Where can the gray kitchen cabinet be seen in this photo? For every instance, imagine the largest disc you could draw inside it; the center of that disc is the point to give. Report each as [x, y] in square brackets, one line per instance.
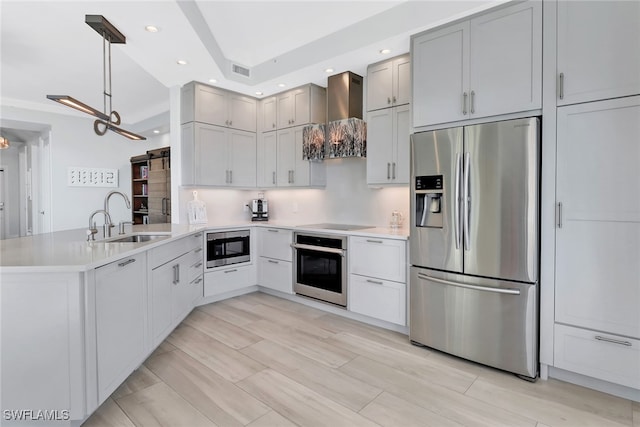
[597, 285]
[292, 170]
[377, 278]
[389, 83]
[301, 106]
[218, 156]
[268, 113]
[388, 132]
[275, 263]
[215, 106]
[120, 310]
[598, 53]
[486, 66]
[267, 160]
[175, 269]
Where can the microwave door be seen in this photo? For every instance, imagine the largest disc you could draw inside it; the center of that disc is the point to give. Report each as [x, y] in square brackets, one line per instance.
[435, 199]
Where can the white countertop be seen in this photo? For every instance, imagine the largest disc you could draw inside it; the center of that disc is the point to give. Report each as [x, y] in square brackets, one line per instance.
[69, 251]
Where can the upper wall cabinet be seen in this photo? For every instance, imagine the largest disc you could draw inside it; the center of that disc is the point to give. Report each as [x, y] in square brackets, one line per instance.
[301, 106]
[389, 83]
[598, 50]
[268, 113]
[489, 65]
[214, 106]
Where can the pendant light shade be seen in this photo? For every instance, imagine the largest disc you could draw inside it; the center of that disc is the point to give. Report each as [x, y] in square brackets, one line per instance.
[107, 119]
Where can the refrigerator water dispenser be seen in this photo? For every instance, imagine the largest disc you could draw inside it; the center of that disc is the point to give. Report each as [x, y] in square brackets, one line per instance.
[428, 193]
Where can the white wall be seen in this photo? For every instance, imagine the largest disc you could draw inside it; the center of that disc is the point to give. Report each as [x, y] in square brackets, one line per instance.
[74, 143]
[9, 162]
[346, 199]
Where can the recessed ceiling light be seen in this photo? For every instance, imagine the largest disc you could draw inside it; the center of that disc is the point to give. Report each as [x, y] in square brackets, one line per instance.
[258, 93]
[151, 29]
[281, 85]
[181, 62]
[385, 51]
[213, 81]
[156, 131]
[329, 70]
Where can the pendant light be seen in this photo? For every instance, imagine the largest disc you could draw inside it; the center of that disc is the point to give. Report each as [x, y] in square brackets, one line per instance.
[105, 121]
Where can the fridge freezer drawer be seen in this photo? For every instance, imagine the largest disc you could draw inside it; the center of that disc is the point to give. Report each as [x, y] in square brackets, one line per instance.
[488, 321]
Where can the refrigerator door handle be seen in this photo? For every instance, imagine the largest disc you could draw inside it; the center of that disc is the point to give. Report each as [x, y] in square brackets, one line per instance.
[508, 291]
[456, 204]
[466, 203]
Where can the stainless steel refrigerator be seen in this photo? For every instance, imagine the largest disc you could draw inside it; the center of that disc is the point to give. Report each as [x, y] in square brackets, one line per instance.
[474, 243]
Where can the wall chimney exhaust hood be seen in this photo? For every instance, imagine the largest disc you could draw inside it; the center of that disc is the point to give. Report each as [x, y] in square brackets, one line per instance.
[346, 133]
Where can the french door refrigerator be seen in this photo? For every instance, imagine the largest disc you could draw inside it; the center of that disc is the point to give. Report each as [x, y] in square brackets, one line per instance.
[474, 243]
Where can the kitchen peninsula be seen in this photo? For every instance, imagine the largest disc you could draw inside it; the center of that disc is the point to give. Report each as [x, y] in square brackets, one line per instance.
[101, 307]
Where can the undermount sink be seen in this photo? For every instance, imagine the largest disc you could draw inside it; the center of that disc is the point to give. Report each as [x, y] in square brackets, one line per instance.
[138, 238]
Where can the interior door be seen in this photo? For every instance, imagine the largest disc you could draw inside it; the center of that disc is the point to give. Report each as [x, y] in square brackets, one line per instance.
[500, 180]
[436, 154]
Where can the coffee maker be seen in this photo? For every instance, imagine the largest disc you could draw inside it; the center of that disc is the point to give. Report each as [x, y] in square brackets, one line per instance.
[259, 210]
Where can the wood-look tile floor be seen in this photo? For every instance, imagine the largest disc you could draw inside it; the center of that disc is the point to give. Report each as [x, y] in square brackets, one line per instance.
[258, 360]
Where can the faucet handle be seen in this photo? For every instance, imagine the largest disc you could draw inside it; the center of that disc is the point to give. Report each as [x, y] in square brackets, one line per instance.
[121, 226]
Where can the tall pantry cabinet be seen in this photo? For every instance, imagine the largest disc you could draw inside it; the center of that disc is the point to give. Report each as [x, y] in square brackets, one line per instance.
[596, 332]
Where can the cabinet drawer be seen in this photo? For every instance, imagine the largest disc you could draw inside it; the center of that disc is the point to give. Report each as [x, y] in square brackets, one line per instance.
[195, 268]
[604, 356]
[275, 274]
[173, 250]
[382, 299]
[228, 279]
[275, 243]
[375, 257]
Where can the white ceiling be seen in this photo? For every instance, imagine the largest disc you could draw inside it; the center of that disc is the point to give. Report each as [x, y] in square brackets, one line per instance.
[46, 47]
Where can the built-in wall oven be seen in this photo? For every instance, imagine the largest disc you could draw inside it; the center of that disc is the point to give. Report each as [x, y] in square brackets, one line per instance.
[228, 247]
[320, 268]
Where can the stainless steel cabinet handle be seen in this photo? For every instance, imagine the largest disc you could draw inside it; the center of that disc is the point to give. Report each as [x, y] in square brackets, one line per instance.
[559, 215]
[197, 236]
[464, 103]
[198, 265]
[473, 95]
[388, 100]
[273, 125]
[272, 230]
[393, 169]
[226, 176]
[273, 262]
[231, 271]
[561, 86]
[230, 122]
[394, 99]
[375, 282]
[176, 274]
[374, 241]
[318, 248]
[388, 170]
[293, 177]
[613, 341]
[466, 206]
[507, 291]
[127, 262]
[274, 177]
[197, 282]
[198, 250]
[230, 177]
[456, 202]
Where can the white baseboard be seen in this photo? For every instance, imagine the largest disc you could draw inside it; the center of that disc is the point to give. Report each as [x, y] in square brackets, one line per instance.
[595, 384]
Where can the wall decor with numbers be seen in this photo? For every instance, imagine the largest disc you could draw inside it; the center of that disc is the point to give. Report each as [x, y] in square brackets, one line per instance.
[91, 177]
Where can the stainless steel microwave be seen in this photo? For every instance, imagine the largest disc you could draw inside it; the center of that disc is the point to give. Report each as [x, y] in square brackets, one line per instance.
[228, 247]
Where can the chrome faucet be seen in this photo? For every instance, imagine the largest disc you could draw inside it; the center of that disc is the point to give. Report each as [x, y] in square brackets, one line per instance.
[92, 225]
[110, 225]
